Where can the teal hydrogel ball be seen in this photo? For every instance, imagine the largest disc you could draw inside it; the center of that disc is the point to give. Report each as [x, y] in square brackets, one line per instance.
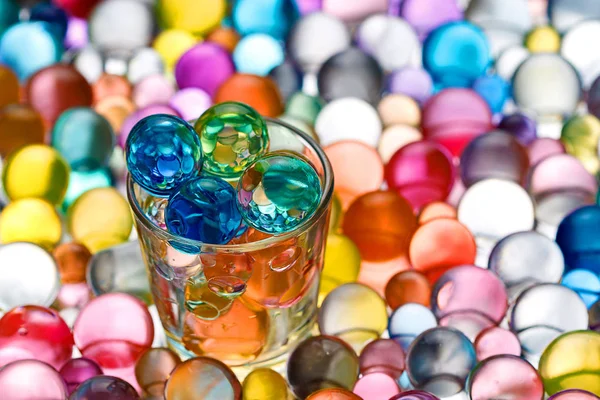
[84, 138]
[278, 192]
[83, 181]
[233, 136]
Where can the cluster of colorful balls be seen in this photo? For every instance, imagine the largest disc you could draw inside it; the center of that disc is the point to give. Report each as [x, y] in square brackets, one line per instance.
[463, 252]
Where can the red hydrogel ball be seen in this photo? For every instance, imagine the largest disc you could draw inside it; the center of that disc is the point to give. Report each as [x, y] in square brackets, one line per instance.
[34, 332]
[422, 172]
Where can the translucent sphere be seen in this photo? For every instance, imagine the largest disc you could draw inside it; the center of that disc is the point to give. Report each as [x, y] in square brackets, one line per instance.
[321, 362]
[422, 172]
[414, 395]
[31, 380]
[78, 370]
[543, 312]
[409, 321]
[35, 332]
[407, 287]
[376, 385]
[20, 125]
[574, 394]
[585, 283]
[153, 369]
[278, 192]
[495, 341]
[469, 289]
[468, 58]
[576, 237]
[31, 220]
[163, 151]
[380, 223]
[505, 376]
[524, 259]
[333, 394]
[203, 377]
[382, 356]
[204, 209]
[341, 265]
[496, 154]
[439, 245]
[232, 136]
[264, 384]
[350, 73]
[353, 312]
[315, 38]
[103, 387]
[440, 360]
[348, 119]
[580, 135]
[84, 138]
[520, 126]
[546, 84]
[37, 282]
[36, 171]
[582, 349]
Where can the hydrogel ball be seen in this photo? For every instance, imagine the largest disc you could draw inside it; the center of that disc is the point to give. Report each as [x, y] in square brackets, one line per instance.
[278, 192]
[163, 151]
[233, 136]
[204, 209]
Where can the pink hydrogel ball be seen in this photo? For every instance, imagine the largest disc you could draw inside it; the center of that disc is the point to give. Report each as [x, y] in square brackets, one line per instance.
[31, 380]
[114, 330]
[503, 377]
[35, 332]
[77, 371]
[496, 341]
[453, 117]
[422, 172]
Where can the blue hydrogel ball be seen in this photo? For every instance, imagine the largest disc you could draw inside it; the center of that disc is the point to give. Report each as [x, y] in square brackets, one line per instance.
[258, 54]
[585, 283]
[84, 138]
[276, 17]
[55, 16]
[204, 209]
[494, 90]
[163, 151]
[278, 192]
[578, 237]
[455, 54]
[28, 47]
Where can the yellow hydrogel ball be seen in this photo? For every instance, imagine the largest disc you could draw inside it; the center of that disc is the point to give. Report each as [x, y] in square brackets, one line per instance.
[195, 16]
[335, 220]
[99, 219]
[572, 361]
[264, 384]
[543, 39]
[580, 135]
[30, 220]
[342, 263]
[171, 44]
[36, 171]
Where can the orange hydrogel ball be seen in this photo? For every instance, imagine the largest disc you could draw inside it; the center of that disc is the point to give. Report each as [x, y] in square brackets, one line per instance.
[227, 38]
[115, 109]
[20, 125]
[439, 245]
[153, 369]
[381, 224]
[435, 210]
[111, 85]
[10, 86]
[357, 169]
[407, 287]
[377, 274]
[258, 92]
[333, 394]
[72, 259]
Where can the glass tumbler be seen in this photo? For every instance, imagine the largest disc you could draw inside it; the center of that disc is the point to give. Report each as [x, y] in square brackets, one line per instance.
[246, 303]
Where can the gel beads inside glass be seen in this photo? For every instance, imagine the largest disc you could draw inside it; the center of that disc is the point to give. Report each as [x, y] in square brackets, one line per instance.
[162, 151]
[204, 209]
[278, 192]
[233, 136]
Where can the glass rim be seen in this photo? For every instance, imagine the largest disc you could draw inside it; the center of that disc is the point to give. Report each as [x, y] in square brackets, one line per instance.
[141, 217]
